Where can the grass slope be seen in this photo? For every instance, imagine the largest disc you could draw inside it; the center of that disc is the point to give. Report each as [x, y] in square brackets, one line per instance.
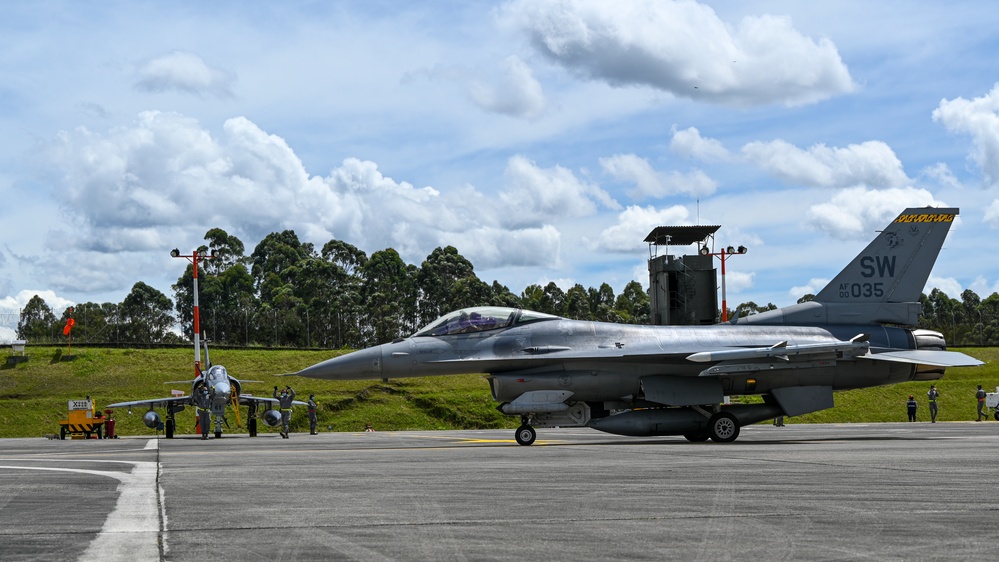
[34, 394]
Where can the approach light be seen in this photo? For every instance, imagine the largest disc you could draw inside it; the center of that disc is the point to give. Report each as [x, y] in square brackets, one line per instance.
[175, 253]
[705, 251]
[730, 249]
[743, 249]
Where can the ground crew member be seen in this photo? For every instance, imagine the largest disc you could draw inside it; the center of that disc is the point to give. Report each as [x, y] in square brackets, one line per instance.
[911, 407]
[932, 395]
[203, 404]
[312, 415]
[284, 400]
[980, 395]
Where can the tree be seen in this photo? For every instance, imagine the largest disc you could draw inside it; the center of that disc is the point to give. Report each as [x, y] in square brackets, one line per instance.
[633, 304]
[37, 322]
[388, 296]
[438, 274]
[145, 315]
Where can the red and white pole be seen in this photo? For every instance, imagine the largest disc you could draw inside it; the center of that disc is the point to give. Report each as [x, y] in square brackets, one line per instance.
[197, 317]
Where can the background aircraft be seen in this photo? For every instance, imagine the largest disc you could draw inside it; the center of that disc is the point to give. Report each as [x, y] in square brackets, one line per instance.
[225, 389]
[672, 380]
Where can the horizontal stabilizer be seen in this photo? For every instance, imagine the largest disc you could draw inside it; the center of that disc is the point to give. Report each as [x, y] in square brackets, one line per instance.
[931, 357]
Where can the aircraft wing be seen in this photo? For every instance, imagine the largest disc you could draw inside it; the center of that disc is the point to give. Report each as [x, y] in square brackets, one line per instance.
[245, 399]
[153, 402]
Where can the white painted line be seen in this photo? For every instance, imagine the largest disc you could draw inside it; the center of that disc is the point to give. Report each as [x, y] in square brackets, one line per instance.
[152, 444]
[132, 529]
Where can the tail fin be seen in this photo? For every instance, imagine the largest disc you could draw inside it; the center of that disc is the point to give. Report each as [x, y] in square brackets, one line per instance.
[895, 266]
[882, 285]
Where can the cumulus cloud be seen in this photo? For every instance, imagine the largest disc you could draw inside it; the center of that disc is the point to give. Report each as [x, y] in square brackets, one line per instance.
[514, 92]
[683, 48]
[653, 183]
[980, 119]
[184, 72]
[871, 163]
[813, 287]
[992, 214]
[165, 179]
[948, 285]
[633, 225]
[536, 195]
[855, 213]
[691, 144]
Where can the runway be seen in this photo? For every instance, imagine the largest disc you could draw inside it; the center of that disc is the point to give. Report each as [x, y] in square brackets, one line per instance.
[802, 492]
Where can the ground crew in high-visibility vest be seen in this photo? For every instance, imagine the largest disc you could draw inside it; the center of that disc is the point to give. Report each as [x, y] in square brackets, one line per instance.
[932, 395]
[312, 415]
[284, 400]
[203, 404]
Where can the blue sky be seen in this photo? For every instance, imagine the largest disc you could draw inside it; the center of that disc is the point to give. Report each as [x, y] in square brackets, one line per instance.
[542, 139]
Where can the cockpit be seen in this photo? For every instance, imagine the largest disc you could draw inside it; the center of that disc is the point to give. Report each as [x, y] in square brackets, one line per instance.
[481, 319]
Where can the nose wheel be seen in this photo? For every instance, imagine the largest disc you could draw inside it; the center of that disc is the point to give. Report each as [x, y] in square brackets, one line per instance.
[525, 435]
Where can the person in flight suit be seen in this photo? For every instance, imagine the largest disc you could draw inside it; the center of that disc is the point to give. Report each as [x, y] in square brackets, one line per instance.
[312, 415]
[203, 404]
[284, 400]
[980, 396]
[911, 407]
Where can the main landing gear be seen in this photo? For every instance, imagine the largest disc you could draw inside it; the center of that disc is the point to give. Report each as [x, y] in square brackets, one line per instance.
[525, 433]
[723, 428]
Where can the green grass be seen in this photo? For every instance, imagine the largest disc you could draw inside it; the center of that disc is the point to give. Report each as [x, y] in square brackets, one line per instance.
[34, 395]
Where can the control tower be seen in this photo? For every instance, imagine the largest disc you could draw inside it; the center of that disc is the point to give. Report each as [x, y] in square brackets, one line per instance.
[682, 289]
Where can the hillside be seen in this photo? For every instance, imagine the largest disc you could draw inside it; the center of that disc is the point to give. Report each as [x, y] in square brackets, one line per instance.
[34, 394]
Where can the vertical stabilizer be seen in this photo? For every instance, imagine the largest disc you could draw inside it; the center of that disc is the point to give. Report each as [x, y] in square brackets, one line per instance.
[894, 267]
[882, 285]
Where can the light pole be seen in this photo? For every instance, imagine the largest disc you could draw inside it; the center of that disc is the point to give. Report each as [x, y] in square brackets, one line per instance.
[724, 254]
[193, 258]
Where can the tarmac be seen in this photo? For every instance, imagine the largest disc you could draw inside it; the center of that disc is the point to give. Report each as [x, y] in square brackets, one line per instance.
[894, 491]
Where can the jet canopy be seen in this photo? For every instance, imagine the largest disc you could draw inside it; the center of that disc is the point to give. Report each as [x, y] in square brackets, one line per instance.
[480, 319]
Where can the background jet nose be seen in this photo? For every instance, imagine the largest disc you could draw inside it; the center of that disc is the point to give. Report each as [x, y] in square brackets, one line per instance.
[223, 392]
[364, 364]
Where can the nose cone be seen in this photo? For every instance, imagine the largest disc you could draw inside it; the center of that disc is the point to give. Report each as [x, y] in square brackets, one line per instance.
[223, 392]
[363, 364]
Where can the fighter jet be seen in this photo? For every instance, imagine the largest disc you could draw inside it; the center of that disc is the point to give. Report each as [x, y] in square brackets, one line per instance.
[224, 389]
[639, 380]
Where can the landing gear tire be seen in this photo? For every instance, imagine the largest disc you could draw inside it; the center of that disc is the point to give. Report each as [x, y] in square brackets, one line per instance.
[218, 435]
[169, 429]
[525, 435]
[723, 427]
[253, 428]
[696, 436]
[996, 415]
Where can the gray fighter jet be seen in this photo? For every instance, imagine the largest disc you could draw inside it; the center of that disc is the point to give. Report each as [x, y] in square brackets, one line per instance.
[673, 380]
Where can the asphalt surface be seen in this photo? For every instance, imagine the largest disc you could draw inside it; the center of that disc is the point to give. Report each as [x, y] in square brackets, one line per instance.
[802, 492]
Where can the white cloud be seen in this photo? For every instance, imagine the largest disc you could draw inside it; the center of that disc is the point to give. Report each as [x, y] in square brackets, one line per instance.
[992, 214]
[164, 179]
[856, 213]
[736, 282]
[683, 48]
[813, 287]
[982, 288]
[633, 225]
[691, 144]
[872, 164]
[536, 195]
[184, 72]
[980, 119]
[948, 285]
[514, 92]
[652, 183]
[15, 303]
